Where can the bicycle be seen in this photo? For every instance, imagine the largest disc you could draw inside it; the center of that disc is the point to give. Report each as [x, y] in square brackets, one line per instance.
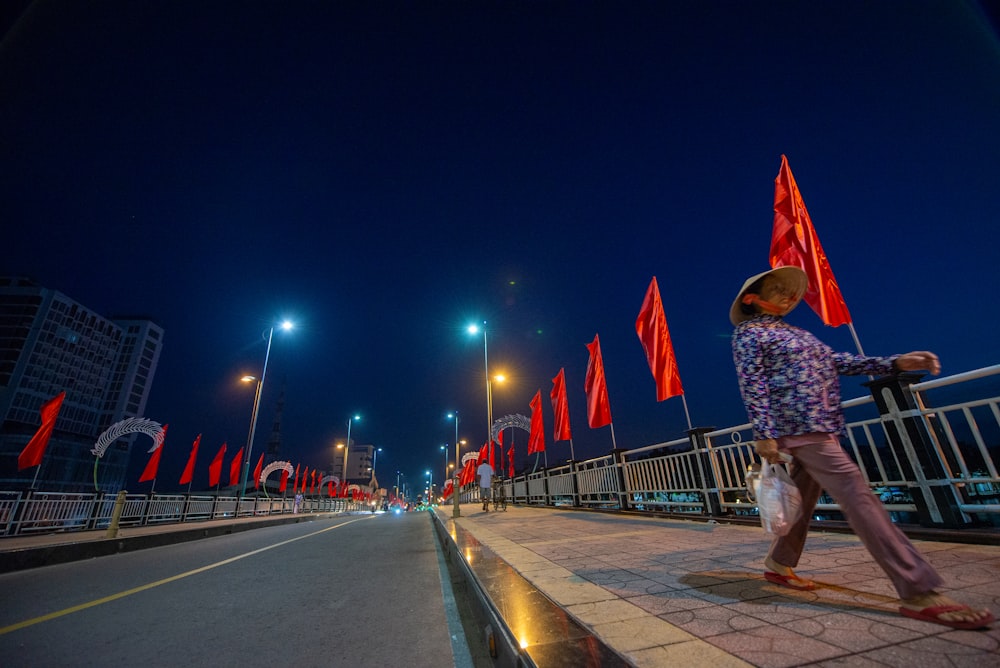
[499, 498]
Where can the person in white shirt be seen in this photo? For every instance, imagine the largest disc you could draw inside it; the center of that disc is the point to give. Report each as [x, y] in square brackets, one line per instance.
[485, 473]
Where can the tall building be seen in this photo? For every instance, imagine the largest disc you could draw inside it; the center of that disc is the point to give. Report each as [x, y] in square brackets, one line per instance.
[50, 344]
[360, 460]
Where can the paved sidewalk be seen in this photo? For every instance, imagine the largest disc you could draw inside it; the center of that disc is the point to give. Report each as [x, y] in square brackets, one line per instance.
[664, 592]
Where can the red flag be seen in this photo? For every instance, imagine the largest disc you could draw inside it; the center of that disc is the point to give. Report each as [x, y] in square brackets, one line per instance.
[468, 473]
[295, 485]
[34, 451]
[598, 407]
[283, 485]
[215, 468]
[257, 470]
[794, 243]
[482, 454]
[651, 326]
[536, 438]
[153, 465]
[492, 450]
[329, 488]
[560, 408]
[189, 469]
[305, 479]
[510, 457]
[234, 469]
[312, 484]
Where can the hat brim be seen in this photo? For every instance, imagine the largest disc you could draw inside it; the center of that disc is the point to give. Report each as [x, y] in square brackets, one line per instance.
[792, 276]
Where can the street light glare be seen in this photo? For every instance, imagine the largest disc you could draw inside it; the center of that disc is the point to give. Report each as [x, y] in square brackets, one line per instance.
[287, 325]
[248, 379]
[473, 329]
[499, 378]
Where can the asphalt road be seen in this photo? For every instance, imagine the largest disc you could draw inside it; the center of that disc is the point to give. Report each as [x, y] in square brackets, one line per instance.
[356, 590]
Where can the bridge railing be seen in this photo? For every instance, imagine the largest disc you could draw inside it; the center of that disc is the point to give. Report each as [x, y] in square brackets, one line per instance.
[929, 450]
[28, 513]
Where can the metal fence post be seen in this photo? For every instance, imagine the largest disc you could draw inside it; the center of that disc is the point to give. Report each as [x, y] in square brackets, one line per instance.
[915, 447]
[618, 457]
[706, 470]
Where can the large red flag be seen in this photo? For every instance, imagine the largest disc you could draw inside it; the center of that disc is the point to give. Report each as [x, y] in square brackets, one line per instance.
[483, 451]
[560, 408]
[283, 484]
[598, 407]
[153, 465]
[536, 438]
[257, 470]
[235, 467]
[215, 468]
[305, 479]
[189, 468]
[651, 326]
[34, 451]
[312, 484]
[510, 457]
[295, 484]
[794, 243]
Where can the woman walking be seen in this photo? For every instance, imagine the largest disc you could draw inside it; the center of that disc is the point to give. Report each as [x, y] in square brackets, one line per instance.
[790, 386]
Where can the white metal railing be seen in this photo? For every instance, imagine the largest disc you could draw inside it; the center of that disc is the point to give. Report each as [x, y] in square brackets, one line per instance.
[48, 512]
[953, 429]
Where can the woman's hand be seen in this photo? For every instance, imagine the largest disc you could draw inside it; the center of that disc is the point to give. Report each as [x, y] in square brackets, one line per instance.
[767, 448]
[919, 360]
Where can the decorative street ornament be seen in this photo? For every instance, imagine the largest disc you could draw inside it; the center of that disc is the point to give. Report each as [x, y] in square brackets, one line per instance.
[515, 420]
[469, 457]
[133, 425]
[271, 468]
[329, 478]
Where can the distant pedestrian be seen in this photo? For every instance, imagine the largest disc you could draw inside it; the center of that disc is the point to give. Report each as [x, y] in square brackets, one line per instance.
[789, 383]
[297, 505]
[485, 473]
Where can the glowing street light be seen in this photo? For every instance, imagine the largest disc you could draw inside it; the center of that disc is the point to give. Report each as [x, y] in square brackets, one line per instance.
[347, 447]
[286, 326]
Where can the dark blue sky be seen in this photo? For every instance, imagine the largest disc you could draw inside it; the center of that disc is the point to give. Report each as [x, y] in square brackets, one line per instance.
[385, 172]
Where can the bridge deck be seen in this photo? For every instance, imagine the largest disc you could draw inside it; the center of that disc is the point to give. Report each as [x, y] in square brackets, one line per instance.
[661, 592]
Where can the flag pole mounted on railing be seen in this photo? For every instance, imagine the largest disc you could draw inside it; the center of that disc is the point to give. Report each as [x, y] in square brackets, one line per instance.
[794, 242]
[651, 327]
[596, 386]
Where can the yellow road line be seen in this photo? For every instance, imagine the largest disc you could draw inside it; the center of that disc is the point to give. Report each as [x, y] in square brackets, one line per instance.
[136, 590]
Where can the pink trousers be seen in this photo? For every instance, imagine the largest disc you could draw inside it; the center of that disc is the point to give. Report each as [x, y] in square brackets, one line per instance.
[821, 463]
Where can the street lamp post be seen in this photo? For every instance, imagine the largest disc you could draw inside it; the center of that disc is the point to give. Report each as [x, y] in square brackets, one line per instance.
[456, 512]
[430, 488]
[347, 447]
[286, 325]
[474, 329]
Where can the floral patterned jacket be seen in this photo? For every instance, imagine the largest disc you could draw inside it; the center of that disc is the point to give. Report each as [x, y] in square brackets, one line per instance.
[789, 379]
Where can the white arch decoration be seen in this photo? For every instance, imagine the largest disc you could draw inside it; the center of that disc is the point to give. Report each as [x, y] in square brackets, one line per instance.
[134, 425]
[515, 420]
[275, 466]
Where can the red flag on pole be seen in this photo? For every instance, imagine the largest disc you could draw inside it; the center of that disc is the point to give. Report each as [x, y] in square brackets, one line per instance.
[560, 408]
[215, 468]
[598, 407]
[34, 451]
[536, 437]
[283, 485]
[189, 468]
[305, 479]
[510, 458]
[234, 469]
[257, 470]
[153, 465]
[482, 454]
[329, 488]
[651, 326]
[295, 484]
[312, 483]
[794, 242]
[492, 450]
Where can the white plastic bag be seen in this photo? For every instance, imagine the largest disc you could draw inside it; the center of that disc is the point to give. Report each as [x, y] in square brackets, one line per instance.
[778, 500]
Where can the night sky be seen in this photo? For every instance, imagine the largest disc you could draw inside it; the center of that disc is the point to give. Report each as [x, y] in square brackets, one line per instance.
[384, 173]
